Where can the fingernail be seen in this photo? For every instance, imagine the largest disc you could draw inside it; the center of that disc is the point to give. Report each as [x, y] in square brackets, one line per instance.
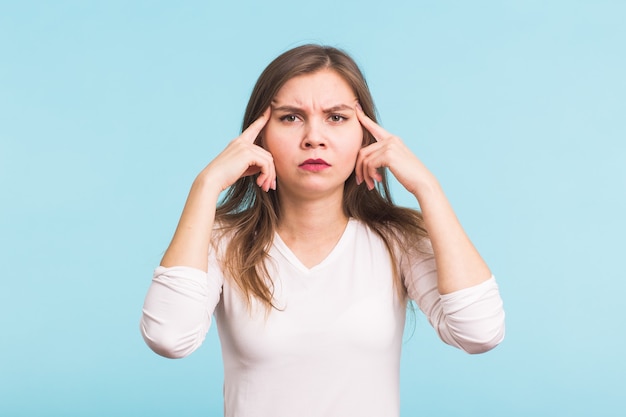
[358, 106]
[274, 185]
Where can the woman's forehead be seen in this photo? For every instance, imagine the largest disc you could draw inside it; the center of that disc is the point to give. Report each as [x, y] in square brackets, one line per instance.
[324, 88]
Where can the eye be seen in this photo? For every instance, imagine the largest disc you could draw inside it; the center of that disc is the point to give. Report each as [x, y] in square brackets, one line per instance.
[289, 118]
[337, 118]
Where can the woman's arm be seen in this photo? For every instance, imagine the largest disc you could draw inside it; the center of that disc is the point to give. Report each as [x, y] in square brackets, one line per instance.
[190, 244]
[177, 310]
[471, 319]
[453, 286]
[459, 264]
[186, 287]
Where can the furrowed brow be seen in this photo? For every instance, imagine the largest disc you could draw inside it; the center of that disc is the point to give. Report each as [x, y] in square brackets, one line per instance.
[294, 109]
[288, 109]
[339, 107]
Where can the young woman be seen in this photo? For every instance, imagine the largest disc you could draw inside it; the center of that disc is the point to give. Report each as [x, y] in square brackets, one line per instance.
[306, 263]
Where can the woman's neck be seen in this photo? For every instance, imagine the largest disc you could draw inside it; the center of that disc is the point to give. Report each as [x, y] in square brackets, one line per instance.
[308, 219]
[312, 229]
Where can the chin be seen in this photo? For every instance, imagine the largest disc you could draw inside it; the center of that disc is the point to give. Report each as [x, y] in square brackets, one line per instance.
[315, 189]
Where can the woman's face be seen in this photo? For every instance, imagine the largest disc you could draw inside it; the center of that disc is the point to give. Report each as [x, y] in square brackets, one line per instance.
[313, 134]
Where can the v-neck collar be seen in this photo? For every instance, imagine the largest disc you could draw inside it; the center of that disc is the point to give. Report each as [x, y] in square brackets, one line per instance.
[295, 261]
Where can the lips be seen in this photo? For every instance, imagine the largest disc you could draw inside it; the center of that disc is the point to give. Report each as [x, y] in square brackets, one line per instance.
[314, 165]
[315, 162]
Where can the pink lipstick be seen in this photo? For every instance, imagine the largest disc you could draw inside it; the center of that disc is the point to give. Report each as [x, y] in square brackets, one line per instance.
[314, 165]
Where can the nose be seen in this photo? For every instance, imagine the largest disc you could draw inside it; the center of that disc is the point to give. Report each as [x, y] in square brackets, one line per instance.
[314, 135]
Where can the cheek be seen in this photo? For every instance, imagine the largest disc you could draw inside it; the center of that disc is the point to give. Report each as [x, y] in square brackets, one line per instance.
[352, 144]
[357, 137]
[271, 138]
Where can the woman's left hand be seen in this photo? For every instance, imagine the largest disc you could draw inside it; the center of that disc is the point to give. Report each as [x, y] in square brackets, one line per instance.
[388, 151]
[459, 265]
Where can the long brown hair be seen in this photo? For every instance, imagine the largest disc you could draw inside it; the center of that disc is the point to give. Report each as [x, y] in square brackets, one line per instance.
[249, 216]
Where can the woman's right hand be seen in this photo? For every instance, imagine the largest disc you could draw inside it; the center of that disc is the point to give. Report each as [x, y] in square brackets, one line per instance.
[242, 157]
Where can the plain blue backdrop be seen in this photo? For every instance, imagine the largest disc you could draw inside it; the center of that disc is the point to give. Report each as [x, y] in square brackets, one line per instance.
[109, 109]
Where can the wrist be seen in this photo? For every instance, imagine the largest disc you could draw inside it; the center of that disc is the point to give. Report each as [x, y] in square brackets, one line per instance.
[206, 185]
[427, 187]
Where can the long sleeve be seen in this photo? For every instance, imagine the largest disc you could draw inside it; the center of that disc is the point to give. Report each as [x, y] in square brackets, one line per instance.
[178, 308]
[471, 319]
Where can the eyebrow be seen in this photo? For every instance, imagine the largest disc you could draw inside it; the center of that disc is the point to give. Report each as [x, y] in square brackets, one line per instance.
[295, 109]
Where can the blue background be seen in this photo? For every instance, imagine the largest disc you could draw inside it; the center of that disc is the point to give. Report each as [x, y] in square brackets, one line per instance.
[109, 109]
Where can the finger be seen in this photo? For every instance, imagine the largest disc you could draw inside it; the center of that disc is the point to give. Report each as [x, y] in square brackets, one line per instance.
[264, 178]
[252, 131]
[369, 174]
[362, 156]
[267, 172]
[362, 171]
[267, 181]
[372, 161]
[257, 160]
[374, 128]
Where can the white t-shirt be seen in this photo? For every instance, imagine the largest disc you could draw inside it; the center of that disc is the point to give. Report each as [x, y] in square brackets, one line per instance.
[332, 346]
